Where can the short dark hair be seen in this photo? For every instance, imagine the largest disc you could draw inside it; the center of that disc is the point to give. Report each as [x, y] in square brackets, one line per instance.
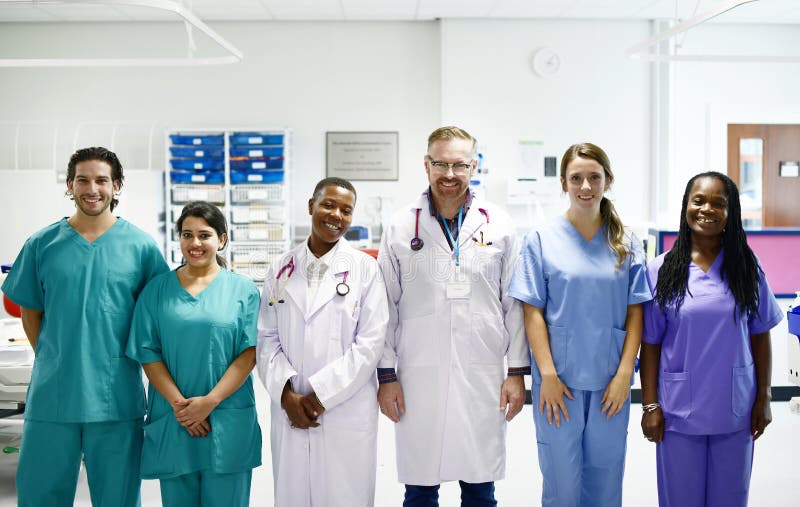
[337, 182]
[211, 214]
[103, 155]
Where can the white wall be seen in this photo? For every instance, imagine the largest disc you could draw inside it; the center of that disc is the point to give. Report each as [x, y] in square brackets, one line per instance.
[709, 95]
[598, 96]
[312, 77]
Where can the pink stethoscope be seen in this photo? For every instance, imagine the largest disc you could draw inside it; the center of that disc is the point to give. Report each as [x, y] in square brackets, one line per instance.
[275, 297]
[417, 243]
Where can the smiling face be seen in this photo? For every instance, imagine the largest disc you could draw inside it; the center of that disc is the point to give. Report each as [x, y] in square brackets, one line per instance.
[200, 242]
[707, 208]
[92, 188]
[585, 181]
[331, 213]
[449, 184]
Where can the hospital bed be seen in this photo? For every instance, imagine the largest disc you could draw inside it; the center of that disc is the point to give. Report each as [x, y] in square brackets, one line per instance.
[16, 361]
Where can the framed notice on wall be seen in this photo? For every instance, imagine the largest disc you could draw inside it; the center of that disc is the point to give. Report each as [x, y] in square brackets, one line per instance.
[362, 155]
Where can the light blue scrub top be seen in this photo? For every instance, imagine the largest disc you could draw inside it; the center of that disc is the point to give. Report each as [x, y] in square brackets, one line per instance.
[87, 292]
[585, 298]
[197, 338]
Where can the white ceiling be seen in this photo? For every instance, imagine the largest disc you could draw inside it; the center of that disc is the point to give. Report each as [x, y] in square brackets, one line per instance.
[761, 11]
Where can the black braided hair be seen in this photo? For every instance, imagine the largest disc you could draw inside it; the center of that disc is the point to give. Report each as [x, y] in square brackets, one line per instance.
[740, 268]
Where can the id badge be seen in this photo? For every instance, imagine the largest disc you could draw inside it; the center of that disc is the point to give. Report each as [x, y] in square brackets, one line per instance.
[459, 290]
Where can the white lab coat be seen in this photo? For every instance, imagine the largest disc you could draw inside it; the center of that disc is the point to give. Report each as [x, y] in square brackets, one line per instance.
[333, 349]
[449, 353]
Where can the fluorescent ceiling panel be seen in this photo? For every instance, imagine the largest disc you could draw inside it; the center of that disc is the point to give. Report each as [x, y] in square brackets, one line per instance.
[372, 9]
[305, 9]
[429, 9]
[531, 9]
[604, 9]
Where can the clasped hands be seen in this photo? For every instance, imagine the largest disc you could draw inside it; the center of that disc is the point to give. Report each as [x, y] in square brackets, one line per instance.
[192, 414]
[302, 411]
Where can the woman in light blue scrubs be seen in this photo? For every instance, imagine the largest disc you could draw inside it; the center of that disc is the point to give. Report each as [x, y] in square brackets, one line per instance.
[582, 282]
[194, 331]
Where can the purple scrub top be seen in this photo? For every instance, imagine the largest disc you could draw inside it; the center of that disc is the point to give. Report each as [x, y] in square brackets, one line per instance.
[706, 378]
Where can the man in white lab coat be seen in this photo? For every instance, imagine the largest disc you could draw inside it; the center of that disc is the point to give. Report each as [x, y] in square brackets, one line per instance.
[447, 259]
[321, 330]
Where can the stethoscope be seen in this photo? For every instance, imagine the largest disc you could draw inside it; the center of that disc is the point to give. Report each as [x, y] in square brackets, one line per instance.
[480, 242]
[342, 288]
[417, 243]
[276, 298]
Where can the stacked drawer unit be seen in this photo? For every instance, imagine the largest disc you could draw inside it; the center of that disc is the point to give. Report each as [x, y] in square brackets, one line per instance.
[256, 157]
[196, 173]
[258, 207]
[253, 191]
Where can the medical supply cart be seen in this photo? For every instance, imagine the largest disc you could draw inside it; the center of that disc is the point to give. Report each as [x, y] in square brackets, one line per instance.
[246, 173]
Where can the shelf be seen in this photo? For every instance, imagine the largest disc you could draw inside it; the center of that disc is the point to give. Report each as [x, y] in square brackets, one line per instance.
[245, 173]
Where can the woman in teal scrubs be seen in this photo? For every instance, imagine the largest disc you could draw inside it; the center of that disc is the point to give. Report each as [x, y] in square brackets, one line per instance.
[194, 331]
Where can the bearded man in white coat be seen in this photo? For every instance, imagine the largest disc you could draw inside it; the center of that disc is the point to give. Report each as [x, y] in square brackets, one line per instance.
[321, 330]
[447, 260]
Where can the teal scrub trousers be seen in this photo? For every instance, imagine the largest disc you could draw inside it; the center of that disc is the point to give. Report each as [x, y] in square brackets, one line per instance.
[208, 489]
[50, 458]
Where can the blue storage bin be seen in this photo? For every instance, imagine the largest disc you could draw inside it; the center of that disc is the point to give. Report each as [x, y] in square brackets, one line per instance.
[794, 323]
[197, 177]
[251, 138]
[258, 151]
[197, 152]
[200, 164]
[258, 164]
[250, 176]
[200, 139]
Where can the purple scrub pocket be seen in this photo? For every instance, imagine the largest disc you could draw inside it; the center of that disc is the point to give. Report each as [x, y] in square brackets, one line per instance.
[743, 392]
[675, 394]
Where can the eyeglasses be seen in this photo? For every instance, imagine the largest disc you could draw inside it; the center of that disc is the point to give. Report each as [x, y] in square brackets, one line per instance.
[458, 168]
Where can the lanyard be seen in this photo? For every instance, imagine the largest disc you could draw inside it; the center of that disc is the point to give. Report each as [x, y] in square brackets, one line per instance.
[453, 242]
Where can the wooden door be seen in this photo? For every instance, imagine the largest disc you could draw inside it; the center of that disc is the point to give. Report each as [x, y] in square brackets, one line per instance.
[780, 195]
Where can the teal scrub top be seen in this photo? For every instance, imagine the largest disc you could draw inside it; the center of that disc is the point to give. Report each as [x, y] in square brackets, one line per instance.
[87, 292]
[197, 338]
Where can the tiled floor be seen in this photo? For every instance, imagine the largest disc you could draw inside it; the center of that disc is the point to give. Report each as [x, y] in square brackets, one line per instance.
[775, 475]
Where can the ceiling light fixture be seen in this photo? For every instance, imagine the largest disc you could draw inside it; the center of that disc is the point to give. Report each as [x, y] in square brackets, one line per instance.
[640, 51]
[190, 19]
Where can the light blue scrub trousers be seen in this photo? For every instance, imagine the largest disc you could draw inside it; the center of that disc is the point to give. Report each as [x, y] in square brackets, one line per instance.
[207, 489]
[50, 458]
[583, 461]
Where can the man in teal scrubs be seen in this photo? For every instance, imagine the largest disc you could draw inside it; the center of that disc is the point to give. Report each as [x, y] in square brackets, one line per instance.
[77, 281]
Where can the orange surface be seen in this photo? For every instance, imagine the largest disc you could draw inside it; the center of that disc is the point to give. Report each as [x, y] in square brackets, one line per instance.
[11, 307]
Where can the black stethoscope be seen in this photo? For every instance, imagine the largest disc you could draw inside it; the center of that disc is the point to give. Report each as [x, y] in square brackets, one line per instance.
[342, 288]
[417, 243]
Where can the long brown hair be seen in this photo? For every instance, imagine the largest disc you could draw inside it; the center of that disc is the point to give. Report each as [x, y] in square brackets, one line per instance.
[615, 231]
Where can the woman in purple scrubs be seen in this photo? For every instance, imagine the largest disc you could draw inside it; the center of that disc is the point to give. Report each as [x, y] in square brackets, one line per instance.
[706, 357]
